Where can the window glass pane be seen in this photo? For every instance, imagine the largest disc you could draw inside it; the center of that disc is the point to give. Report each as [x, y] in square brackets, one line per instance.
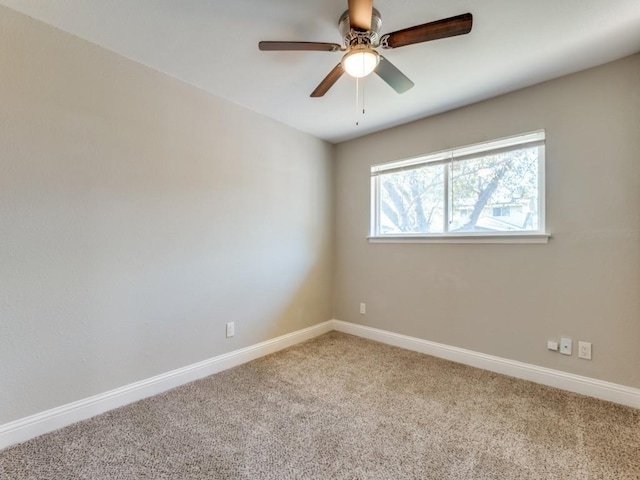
[495, 193]
[412, 201]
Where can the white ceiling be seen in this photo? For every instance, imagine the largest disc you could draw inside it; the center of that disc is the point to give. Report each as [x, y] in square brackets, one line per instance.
[213, 44]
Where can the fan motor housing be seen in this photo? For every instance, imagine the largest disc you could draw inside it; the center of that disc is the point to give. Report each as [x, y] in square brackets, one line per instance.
[354, 37]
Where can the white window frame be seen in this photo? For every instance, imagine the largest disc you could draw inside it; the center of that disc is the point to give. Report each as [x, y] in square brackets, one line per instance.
[449, 156]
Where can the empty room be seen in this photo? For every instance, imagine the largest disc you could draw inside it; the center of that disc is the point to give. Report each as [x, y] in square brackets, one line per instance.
[335, 239]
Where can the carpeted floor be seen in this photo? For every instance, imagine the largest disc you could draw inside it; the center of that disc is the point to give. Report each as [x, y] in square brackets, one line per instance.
[340, 407]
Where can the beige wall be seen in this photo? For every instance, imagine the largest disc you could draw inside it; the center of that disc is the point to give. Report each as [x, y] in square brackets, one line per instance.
[137, 216]
[507, 300]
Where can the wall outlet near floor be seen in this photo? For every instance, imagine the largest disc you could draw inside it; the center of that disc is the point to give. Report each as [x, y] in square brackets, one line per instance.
[231, 329]
[551, 345]
[566, 346]
[584, 350]
[363, 309]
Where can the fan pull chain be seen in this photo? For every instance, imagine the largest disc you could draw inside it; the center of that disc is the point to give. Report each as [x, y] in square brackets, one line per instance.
[363, 90]
[357, 100]
[363, 83]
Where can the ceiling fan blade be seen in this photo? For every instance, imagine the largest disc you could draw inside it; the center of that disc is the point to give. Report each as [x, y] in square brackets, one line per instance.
[397, 80]
[447, 27]
[328, 81]
[360, 13]
[299, 46]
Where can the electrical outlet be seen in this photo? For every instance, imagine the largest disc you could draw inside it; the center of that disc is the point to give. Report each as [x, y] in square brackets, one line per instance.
[231, 329]
[584, 350]
[551, 345]
[363, 309]
[566, 346]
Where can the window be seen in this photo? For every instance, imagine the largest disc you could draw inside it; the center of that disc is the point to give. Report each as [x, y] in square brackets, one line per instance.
[494, 188]
[501, 211]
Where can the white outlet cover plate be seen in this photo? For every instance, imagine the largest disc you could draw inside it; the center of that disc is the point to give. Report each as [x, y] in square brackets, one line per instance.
[584, 350]
[231, 329]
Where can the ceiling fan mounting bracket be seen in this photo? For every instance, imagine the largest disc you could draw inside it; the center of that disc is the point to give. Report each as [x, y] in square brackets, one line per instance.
[384, 42]
[356, 39]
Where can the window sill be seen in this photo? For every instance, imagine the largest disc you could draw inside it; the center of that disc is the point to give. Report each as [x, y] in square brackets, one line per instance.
[519, 237]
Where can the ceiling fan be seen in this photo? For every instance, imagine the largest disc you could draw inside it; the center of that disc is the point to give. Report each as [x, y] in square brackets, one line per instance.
[359, 27]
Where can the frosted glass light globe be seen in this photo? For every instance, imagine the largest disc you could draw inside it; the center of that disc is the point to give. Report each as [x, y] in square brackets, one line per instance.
[360, 63]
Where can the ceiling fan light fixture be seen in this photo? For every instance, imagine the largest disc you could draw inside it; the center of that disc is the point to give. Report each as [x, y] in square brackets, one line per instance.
[359, 27]
[360, 62]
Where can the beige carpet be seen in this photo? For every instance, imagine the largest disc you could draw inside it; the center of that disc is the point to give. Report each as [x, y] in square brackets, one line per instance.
[340, 407]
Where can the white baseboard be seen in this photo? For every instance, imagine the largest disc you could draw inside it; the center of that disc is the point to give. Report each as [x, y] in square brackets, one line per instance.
[554, 378]
[40, 423]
